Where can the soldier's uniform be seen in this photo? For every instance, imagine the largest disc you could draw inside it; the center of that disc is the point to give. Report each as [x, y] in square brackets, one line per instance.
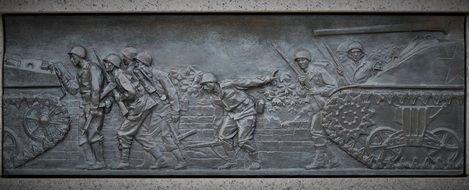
[90, 80]
[323, 84]
[320, 85]
[241, 113]
[160, 87]
[240, 119]
[140, 105]
[170, 105]
[356, 69]
[90, 85]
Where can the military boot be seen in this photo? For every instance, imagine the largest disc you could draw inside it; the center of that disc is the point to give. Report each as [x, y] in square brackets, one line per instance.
[228, 165]
[99, 155]
[181, 161]
[124, 162]
[318, 161]
[89, 157]
[160, 161]
[256, 163]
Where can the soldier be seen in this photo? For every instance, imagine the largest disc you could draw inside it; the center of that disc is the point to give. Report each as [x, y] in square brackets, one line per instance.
[140, 106]
[240, 120]
[90, 83]
[166, 113]
[356, 67]
[128, 58]
[321, 84]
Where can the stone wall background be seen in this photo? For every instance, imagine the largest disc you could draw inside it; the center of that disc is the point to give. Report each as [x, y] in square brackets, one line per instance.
[421, 6]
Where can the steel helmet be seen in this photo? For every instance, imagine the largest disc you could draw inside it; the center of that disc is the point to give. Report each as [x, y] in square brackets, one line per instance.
[129, 52]
[114, 59]
[355, 46]
[208, 77]
[302, 53]
[342, 47]
[144, 57]
[78, 51]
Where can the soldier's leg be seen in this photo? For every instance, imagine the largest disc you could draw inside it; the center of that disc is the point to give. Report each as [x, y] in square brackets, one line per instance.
[125, 136]
[144, 138]
[247, 126]
[227, 132]
[152, 126]
[323, 157]
[96, 140]
[84, 144]
[170, 143]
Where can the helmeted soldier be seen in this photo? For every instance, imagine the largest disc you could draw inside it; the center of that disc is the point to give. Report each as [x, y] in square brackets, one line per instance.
[139, 105]
[240, 119]
[357, 69]
[112, 63]
[142, 72]
[128, 58]
[318, 84]
[165, 115]
[90, 83]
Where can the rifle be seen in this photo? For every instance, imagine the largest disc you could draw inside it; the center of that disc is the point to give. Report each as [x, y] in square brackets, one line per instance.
[212, 144]
[174, 134]
[121, 105]
[87, 123]
[299, 72]
[339, 68]
[177, 138]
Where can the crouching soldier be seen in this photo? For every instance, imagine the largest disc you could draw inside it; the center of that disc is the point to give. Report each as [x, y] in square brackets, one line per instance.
[240, 120]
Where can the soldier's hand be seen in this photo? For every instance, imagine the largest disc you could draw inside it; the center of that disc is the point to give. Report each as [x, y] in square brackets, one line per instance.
[163, 97]
[302, 79]
[94, 111]
[117, 97]
[273, 76]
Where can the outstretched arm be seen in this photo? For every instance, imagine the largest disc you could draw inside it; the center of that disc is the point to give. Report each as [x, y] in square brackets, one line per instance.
[250, 83]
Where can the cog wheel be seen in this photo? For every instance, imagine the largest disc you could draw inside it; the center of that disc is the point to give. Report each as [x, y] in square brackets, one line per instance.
[45, 120]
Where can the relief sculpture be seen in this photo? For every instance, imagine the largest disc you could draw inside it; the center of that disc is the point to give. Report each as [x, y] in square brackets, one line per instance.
[174, 95]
